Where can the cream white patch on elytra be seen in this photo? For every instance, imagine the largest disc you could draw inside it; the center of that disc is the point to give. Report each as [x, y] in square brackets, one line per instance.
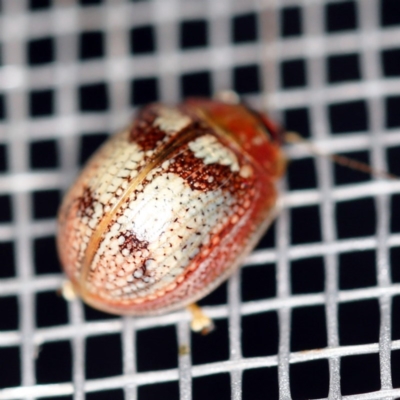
[170, 120]
[174, 221]
[211, 151]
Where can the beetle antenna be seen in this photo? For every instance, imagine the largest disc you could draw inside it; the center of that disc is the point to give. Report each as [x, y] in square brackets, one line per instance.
[294, 137]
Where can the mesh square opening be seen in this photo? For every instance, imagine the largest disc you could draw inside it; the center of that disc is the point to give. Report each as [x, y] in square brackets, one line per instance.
[309, 380]
[342, 68]
[307, 275]
[89, 143]
[196, 84]
[258, 282]
[393, 157]
[344, 175]
[305, 225]
[244, 28]
[212, 387]
[291, 21]
[392, 104]
[142, 40]
[390, 60]
[39, 4]
[301, 174]
[10, 371]
[213, 347]
[293, 74]
[308, 328]
[93, 98]
[91, 314]
[246, 79]
[41, 103]
[396, 318]
[43, 154]
[3, 158]
[217, 296]
[6, 212]
[298, 120]
[193, 34]
[260, 334]
[395, 213]
[45, 255]
[390, 12]
[103, 356]
[395, 262]
[341, 16]
[91, 45]
[164, 390]
[40, 51]
[90, 2]
[9, 320]
[260, 383]
[359, 322]
[49, 368]
[144, 91]
[346, 117]
[51, 309]
[45, 204]
[7, 255]
[117, 394]
[357, 270]
[355, 218]
[359, 374]
[156, 349]
[268, 239]
[395, 364]
[3, 115]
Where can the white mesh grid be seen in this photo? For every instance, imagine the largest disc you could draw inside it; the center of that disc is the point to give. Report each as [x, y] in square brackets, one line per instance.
[115, 18]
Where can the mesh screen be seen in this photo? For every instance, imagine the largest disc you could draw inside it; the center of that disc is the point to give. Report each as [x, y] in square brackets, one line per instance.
[314, 312]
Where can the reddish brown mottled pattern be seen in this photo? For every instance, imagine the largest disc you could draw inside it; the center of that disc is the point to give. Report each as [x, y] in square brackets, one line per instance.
[143, 131]
[134, 245]
[198, 175]
[85, 203]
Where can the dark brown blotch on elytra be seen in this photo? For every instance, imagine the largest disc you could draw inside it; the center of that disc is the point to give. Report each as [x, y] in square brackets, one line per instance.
[143, 131]
[206, 177]
[132, 243]
[86, 203]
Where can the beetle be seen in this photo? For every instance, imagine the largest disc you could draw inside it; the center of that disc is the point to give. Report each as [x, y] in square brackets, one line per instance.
[167, 209]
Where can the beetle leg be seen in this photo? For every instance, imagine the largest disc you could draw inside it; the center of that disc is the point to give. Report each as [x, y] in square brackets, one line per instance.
[68, 291]
[200, 322]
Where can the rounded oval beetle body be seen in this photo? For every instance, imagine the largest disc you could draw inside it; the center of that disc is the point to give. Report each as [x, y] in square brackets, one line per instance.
[167, 209]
